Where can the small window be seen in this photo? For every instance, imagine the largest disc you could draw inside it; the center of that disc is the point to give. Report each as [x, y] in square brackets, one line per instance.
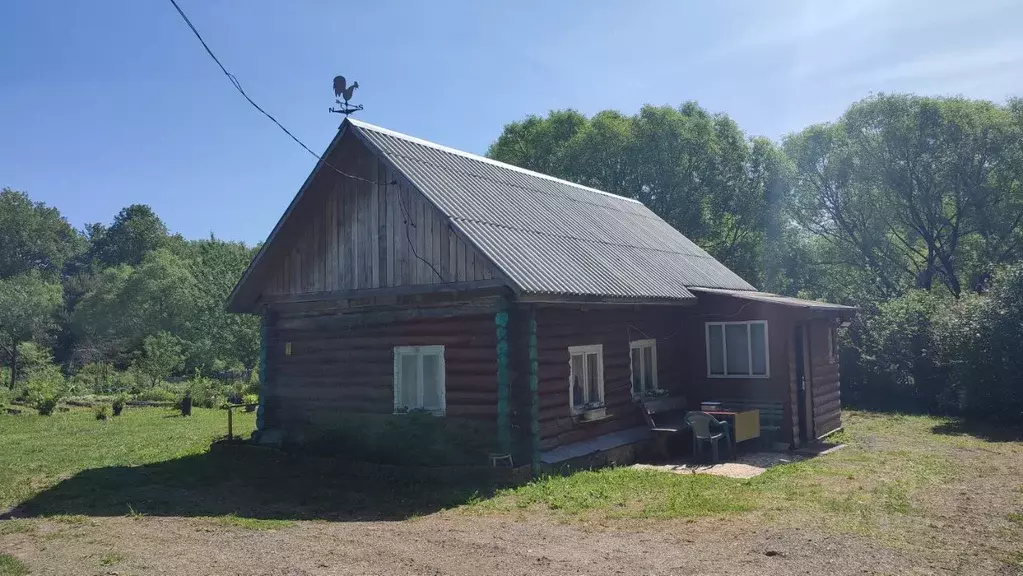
[644, 366]
[419, 379]
[737, 349]
[586, 376]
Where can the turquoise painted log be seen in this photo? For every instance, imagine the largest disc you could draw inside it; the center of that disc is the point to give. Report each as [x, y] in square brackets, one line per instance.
[534, 395]
[503, 412]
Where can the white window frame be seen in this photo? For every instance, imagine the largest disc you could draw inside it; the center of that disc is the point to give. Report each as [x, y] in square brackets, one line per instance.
[597, 349]
[639, 345]
[749, 348]
[419, 352]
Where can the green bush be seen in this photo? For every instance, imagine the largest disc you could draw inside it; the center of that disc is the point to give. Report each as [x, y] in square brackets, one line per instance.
[206, 392]
[158, 394]
[118, 404]
[893, 364]
[928, 352]
[44, 387]
[101, 411]
[45, 405]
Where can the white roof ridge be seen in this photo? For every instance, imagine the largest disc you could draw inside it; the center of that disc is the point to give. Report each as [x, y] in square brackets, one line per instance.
[484, 159]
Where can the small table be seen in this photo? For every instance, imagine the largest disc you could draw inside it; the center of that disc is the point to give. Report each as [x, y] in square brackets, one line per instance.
[745, 424]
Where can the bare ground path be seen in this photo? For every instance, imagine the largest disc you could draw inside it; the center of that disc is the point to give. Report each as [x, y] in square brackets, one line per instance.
[455, 544]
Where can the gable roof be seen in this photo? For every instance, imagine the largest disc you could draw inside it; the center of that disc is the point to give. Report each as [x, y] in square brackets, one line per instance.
[547, 236]
[551, 236]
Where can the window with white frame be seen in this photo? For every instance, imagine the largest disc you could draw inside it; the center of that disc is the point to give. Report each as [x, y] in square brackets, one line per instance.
[644, 366]
[419, 379]
[737, 349]
[586, 376]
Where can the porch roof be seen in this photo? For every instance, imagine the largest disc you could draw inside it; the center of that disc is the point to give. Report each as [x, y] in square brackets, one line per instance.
[779, 300]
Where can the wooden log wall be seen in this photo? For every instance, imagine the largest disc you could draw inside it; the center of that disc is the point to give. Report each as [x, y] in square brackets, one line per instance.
[339, 364]
[826, 386]
[559, 328]
[774, 389]
[350, 234]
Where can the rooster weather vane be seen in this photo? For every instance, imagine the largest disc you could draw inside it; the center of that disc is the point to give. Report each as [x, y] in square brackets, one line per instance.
[343, 92]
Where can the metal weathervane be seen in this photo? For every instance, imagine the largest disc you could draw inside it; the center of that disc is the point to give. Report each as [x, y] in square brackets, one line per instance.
[343, 92]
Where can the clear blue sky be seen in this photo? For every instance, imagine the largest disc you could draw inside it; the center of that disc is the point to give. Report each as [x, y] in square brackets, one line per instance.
[111, 102]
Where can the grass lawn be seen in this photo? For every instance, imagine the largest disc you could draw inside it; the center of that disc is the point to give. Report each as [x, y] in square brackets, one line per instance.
[36, 452]
[927, 487]
[900, 479]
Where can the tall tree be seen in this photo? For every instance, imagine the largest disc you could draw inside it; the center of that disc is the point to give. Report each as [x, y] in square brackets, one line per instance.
[28, 304]
[33, 236]
[914, 189]
[135, 232]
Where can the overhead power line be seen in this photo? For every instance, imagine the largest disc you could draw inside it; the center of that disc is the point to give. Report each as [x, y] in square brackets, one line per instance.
[238, 86]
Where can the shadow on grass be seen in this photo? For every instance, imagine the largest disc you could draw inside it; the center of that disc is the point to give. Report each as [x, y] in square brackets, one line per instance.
[988, 431]
[253, 483]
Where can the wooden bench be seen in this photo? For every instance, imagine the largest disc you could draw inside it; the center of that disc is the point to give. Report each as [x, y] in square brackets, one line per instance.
[772, 416]
[666, 418]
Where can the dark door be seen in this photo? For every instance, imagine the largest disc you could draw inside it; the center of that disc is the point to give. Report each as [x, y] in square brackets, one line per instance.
[804, 424]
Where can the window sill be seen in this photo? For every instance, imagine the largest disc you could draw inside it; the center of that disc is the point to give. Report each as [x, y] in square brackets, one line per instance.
[437, 413]
[740, 376]
[578, 418]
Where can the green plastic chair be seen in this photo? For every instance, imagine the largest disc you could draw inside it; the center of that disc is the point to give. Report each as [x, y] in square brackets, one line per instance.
[707, 429]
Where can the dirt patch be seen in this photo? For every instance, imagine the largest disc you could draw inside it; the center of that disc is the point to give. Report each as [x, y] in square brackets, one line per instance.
[445, 543]
[744, 466]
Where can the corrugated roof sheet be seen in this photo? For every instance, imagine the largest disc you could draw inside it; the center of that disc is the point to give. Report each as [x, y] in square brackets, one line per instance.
[550, 236]
[779, 300]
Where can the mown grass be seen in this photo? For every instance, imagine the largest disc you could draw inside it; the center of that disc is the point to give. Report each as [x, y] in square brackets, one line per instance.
[37, 452]
[11, 566]
[256, 524]
[888, 462]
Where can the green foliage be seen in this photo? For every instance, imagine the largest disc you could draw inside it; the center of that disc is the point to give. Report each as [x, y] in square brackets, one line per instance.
[413, 439]
[895, 364]
[978, 342]
[33, 237]
[136, 232]
[28, 304]
[206, 392]
[101, 411]
[161, 356]
[158, 394]
[118, 404]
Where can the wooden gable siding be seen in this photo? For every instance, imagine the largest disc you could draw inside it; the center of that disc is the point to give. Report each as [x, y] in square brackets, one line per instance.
[349, 234]
[824, 379]
[344, 363]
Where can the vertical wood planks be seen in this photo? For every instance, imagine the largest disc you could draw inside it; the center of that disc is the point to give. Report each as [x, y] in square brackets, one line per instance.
[350, 234]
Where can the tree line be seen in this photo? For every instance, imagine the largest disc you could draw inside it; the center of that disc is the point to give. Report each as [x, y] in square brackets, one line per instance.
[909, 207]
[119, 296]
